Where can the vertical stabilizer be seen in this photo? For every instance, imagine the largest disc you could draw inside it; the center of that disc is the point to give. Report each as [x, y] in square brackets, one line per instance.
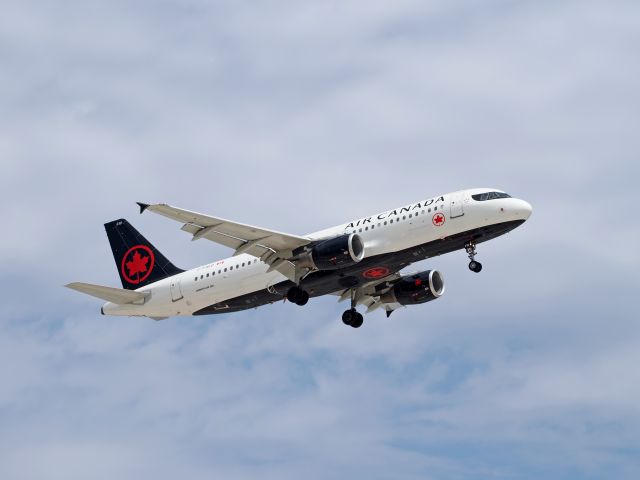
[139, 263]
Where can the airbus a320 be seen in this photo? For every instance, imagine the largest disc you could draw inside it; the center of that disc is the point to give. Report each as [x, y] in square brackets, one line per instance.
[360, 261]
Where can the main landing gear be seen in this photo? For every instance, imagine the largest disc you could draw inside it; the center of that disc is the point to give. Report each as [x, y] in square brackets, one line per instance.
[298, 296]
[351, 317]
[471, 251]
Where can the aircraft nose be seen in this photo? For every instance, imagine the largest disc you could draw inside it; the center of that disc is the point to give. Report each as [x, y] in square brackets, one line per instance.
[524, 209]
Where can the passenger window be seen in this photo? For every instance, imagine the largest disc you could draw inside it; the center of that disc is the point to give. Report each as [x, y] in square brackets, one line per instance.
[201, 277]
[385, 223]
[404, 217]
[207, 275]
[243, 264]
[225, 269]
[196, 279]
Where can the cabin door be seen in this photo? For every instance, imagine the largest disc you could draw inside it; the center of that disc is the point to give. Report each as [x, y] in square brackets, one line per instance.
[456, 205]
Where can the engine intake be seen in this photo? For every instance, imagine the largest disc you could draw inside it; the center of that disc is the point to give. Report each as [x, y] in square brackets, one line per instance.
[415, 289]
[334, 253]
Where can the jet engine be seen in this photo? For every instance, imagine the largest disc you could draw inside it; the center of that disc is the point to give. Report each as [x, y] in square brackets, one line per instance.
[334, 253]
[415, 289]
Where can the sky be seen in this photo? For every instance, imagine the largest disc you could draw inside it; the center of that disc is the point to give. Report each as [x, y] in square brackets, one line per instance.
[295, 116]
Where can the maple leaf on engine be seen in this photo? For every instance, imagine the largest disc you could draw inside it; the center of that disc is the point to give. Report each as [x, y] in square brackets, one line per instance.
[138, 264]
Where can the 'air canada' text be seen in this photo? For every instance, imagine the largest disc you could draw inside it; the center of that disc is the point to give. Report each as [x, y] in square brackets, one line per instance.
[398, 211]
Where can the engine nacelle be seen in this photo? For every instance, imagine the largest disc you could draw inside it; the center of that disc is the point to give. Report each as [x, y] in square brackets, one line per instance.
[415, 289]
[334, 253]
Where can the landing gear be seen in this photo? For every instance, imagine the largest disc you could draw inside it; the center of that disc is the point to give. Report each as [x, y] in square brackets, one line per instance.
[471, 251]
[475, 266]
[298, 296]
[352, 318]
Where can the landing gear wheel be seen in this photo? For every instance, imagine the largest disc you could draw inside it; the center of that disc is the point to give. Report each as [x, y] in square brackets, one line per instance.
[475, 266]
[348, 316]
[303, 298]
[352, 318]
[357, 321]
[293, 293]
[298, 296]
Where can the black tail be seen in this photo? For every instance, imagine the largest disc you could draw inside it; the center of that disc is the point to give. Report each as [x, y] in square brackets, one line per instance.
[139, 263]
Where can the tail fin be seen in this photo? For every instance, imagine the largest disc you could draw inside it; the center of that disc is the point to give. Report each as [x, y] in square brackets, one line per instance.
[139, 263]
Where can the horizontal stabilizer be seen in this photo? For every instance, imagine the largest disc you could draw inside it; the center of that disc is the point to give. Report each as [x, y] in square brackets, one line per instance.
[118, 296]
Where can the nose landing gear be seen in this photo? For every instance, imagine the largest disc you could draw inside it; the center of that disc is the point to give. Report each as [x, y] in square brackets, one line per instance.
[471, 251]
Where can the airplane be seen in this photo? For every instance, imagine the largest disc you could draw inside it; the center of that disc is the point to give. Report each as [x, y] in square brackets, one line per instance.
[359, 261]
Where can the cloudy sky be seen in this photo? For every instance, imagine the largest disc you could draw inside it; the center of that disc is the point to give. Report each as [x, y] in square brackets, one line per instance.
[298, 115]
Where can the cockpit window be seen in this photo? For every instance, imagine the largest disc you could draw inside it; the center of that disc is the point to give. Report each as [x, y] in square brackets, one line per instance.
[483, 197]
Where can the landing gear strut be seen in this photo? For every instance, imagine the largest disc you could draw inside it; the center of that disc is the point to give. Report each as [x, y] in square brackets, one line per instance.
[471, 251]
[351, 317]
[298, 296]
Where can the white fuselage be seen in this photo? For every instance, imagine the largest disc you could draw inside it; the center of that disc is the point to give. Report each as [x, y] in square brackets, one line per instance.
[384, 233]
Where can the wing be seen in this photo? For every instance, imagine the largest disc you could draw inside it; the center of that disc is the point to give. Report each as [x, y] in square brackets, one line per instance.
[369, 293]
[272, 247]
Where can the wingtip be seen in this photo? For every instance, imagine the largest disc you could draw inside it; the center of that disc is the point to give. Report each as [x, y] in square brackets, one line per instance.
[73, 286]
[143, 207]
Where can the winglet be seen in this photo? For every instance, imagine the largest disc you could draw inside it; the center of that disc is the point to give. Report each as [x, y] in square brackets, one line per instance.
[143, 207]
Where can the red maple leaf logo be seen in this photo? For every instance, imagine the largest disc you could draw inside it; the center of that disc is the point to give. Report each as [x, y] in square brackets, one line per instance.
[138, 264]
[438, 219]
[376, 272]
